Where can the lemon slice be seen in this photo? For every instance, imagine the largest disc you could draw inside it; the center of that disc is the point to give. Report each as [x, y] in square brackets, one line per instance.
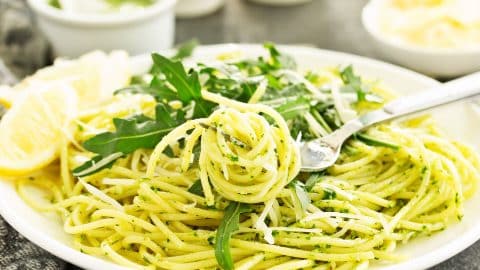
[32, 130]
[41, 105]
[94, 76]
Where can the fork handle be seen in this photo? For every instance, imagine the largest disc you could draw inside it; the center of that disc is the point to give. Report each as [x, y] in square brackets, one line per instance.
[464, 87]
[449, 92]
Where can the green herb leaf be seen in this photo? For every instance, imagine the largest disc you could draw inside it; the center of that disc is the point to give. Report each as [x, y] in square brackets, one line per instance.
[312, 180]
[187, 85]
[161, 91]
[226, 85]
[196, 188]
[262, 66]
[163, 117]
[301, 193]
[132, 134]
[321, 120]
[353, 83]
[279, 60]
[294, 108]
[329, 194]
[156, 89]
[186, 49]
[369, 140]
[230, 223]
[96, 164]
[349, 77]
[248, 91]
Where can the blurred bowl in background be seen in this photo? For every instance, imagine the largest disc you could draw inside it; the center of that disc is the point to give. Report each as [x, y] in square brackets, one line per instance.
[197, 8]
[73, 34]
[436, 62]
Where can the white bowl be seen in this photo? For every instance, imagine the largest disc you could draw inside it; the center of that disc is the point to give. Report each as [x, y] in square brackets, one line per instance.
[136, 32]
[434, 62]
[195, 8]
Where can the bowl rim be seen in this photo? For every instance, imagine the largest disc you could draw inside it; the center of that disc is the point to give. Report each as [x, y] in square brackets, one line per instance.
[100, 20]
[368, 22]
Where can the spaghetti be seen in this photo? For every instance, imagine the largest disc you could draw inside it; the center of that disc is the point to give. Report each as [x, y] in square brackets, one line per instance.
[143, 213]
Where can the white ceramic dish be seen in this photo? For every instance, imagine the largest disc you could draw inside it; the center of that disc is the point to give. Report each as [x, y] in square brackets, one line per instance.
[47, 232]
[137, 32]
[434, 62]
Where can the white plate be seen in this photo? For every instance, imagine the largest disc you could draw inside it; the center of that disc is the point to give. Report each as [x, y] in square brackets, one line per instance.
[458, 120]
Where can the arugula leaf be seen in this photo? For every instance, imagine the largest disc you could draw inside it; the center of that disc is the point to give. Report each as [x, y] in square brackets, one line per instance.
[196, 188]
[162, 115]
[161, 91]
[299, 126]
[262, 66]
[248, 91]
[226, 86]
[329, 194]
[353, 83]
[279, 60]
[157, 89]
[349, 77]
[187, 85]
[132, 134]
[301, 193]
[294, 108]
[142, 132]
[369, 140]
[96, 164]
[321, 120]
[313, 179]
[331, 117]
[230, 223]
[186, 49]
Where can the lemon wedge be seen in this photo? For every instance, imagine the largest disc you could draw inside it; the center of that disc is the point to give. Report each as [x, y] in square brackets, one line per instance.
[32, 129]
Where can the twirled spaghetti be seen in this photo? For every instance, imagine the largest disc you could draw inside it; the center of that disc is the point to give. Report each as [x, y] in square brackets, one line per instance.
[251, 168]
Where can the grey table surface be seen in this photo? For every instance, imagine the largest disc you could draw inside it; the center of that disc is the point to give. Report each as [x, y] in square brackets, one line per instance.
[327, 24]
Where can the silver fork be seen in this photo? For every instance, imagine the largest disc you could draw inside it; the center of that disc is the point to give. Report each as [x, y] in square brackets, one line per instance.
[322, 153]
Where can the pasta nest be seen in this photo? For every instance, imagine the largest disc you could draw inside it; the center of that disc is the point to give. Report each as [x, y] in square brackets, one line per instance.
[246, 158]
[246, 151]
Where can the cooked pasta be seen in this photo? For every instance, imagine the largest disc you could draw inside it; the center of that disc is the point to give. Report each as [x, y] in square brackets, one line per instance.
[167, 207]
[264, 159]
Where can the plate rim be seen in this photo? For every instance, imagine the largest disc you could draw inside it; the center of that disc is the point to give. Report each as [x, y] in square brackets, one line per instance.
[74, 256]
